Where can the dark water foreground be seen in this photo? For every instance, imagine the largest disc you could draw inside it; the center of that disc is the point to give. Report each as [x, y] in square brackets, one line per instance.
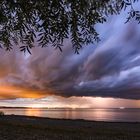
[35, 128]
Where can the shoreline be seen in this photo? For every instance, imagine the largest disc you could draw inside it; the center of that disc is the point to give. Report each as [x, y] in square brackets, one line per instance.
[40, 128]
[62, 119]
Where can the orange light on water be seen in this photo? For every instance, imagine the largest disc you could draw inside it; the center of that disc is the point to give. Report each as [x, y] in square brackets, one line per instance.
[33, 112]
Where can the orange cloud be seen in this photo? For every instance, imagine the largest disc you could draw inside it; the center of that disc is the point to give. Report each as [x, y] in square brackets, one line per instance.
[11, 92]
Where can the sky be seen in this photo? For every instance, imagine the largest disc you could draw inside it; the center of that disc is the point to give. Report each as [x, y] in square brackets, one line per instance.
[104, 74]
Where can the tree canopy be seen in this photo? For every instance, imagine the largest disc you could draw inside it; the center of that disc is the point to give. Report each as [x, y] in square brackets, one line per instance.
[25, 22]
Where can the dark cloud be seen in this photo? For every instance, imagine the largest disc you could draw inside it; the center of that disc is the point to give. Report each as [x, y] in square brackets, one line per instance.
[110, 70]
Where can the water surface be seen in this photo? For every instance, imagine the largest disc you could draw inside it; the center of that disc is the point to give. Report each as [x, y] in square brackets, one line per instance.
[115, 115]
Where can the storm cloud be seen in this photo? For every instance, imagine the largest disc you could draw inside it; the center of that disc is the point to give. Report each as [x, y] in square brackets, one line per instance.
[108, 69]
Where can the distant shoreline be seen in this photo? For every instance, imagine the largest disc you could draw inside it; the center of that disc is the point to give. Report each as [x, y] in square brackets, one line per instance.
[7, 107]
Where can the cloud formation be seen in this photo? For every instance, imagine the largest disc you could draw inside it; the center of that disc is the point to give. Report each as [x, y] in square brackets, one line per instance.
[110, 70]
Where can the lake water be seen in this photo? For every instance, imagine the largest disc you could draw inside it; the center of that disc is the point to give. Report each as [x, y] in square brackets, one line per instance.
[116, 115]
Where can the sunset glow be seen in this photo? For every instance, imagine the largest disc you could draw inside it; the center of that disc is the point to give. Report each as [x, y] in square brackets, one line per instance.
[106, 76]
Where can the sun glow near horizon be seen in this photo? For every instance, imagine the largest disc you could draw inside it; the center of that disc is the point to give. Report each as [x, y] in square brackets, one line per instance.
[71, 102]
[36, 106]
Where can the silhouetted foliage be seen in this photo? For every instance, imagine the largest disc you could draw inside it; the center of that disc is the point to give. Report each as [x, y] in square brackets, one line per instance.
[25, 22]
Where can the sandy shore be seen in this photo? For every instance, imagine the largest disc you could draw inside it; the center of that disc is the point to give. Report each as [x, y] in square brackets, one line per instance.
[34, 128]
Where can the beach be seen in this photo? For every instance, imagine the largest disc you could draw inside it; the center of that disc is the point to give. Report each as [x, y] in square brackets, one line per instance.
[13, 127]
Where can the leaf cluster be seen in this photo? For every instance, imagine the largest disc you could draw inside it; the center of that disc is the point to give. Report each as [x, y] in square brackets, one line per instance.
[49, 22]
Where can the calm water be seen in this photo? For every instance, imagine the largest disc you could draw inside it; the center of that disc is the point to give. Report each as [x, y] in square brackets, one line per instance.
[127, 115]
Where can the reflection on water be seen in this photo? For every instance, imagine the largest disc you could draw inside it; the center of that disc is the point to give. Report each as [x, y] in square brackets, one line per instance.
[87, 114]
[32, 112]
